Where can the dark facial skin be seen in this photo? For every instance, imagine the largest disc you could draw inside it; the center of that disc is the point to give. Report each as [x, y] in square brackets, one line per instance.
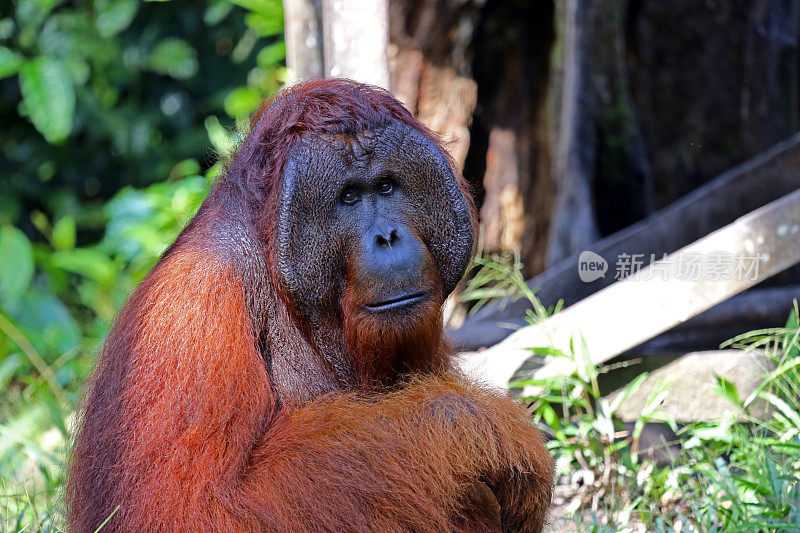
[378, 213]
[394, 268]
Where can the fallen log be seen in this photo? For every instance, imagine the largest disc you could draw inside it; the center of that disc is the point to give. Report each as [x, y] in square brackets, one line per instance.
[744, 188]
[751, 310]
[653, 299]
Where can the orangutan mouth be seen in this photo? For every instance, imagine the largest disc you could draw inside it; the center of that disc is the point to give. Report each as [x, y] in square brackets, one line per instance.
[400, 301]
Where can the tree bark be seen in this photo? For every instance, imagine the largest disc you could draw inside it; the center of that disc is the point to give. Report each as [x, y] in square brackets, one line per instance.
[574, 225]
[513, 127]
[356, 39]
[303, 34]
[431, 66]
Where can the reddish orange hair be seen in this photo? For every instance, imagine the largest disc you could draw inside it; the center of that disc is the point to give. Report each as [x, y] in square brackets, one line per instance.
[196, 419]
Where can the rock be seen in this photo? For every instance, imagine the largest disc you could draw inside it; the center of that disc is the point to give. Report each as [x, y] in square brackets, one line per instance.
[692, 397]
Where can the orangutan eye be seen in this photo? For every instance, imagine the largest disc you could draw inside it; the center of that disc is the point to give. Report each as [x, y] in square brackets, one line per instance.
[385, 186]
[350, 196]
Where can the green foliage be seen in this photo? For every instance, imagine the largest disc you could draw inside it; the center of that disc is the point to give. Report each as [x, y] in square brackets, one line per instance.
[750, 474]
[16, 265]
[10, 62]
[590, 443]
[99, 94]
[500, 276]
[48, 97]
[731, 475]
[113, 112]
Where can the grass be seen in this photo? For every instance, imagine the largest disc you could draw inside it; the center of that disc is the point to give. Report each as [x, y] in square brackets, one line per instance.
[33, 437]
[728, 476]
[739, 475]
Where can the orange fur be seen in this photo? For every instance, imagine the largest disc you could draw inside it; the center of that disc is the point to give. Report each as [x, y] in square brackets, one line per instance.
[200, 449]
[194, 399]
[215, 407]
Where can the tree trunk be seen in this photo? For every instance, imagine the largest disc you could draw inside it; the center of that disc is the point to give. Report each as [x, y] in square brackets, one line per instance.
[303, 34]
[430, 66]
[574, 225]
[356, 40]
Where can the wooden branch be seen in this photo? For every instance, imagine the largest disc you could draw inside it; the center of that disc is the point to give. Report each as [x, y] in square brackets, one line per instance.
[738, 191]
[657, 298]
[754, 309]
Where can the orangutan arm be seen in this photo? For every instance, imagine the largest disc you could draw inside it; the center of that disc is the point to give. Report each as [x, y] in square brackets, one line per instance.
[405, 461]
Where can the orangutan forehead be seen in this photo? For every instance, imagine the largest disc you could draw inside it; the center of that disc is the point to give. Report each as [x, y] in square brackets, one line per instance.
[358, 146]
[356, 150]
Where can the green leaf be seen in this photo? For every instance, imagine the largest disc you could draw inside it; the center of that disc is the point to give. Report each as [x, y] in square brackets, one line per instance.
[220, 138]
[217, 11]
[10, 62]
[728, 390]
[264, 25]
[629, 389]
[64, 234]
[187, 167]
[784, 407]
[242, 101]
[47, 323]
[174, 57]
[48, 96]
[271, 55]
[113, 16]
[87, 262]
[268, 8]
[9, 367]
[547, 350]
[16, 264]
[550, 416]
[791, 340]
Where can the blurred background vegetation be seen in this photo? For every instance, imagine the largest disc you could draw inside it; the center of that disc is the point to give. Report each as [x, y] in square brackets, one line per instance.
[114, 116]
